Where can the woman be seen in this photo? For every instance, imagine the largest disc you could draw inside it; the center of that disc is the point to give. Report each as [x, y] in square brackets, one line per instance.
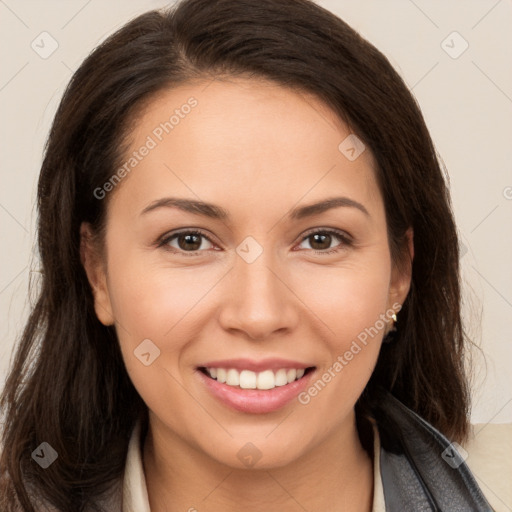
[238, 202]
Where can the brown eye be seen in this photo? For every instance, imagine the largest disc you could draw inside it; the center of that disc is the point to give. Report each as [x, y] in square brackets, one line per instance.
[321, 241]
[191, 242]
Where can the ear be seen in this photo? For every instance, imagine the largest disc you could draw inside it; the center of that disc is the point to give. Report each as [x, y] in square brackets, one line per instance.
[94, 266]
[401, 275]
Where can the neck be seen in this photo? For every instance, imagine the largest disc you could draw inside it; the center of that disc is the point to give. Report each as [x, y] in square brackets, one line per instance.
[336, 475]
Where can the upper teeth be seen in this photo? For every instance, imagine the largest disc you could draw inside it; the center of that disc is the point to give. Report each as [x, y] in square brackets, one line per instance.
[247, 379]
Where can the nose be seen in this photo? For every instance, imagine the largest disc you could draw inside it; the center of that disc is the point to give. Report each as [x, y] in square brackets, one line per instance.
[258, 301]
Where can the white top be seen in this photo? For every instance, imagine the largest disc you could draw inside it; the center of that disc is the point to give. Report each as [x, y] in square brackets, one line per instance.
[489, 459]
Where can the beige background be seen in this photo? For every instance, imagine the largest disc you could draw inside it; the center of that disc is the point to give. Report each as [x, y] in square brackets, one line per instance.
[466, 101]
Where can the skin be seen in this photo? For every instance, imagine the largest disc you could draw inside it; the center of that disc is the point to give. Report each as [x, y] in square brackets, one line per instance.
[258, 150]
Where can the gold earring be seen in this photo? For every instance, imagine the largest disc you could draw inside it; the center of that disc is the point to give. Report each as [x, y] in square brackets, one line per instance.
[390, 335]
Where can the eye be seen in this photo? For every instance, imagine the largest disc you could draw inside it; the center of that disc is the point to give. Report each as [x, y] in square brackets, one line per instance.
[321, 240]
[189, 243]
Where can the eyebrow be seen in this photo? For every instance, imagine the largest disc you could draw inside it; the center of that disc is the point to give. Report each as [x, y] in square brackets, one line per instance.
[217, 212]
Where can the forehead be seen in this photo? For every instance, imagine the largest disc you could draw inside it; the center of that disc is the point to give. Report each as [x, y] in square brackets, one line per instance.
[249, 143]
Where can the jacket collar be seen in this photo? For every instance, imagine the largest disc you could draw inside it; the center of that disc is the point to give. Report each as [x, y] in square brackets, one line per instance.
[421, 470]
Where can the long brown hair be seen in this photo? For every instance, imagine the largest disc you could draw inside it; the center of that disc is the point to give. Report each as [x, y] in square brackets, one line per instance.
[68, 385]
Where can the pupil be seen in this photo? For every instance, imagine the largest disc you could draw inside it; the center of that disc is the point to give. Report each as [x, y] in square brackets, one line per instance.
[316, 236]
[189, 239]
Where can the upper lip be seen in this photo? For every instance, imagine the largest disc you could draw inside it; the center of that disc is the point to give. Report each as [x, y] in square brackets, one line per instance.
[255, 366]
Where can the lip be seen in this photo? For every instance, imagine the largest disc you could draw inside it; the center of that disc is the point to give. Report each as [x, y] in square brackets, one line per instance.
[256, 401]
[255, 366]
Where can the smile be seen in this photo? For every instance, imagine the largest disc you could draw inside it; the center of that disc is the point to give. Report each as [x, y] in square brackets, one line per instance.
[255, 392]
[247, 379]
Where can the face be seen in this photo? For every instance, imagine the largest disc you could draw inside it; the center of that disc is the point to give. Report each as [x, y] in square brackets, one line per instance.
[256, 282]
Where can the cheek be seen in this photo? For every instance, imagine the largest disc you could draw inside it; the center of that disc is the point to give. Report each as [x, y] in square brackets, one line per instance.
[149, 296]
[156, 304]
[346, 300]
[350, 304]
[160, 304]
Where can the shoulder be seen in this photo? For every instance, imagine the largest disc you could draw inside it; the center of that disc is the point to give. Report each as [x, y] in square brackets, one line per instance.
[488, 456]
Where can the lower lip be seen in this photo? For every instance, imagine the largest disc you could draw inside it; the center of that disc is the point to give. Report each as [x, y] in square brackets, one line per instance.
[256, 401]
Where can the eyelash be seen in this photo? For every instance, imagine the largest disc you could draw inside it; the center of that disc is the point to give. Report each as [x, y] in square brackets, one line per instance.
[340, 235]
